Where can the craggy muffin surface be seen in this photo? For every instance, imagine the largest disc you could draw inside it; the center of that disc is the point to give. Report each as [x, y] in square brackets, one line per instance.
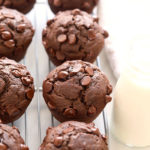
[76, 90]
[16, 34]
[74, 136]
[73, 35]
[16, 90]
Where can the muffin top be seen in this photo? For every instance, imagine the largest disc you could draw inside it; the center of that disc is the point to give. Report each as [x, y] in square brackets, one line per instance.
[10, 139]
[23, 6]
[16, 33]
[76, 90]
[16, 90]
[73, 35]
[61, 5]
[74, 136]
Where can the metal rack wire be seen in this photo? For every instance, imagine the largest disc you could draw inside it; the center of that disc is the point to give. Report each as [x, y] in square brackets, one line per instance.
[35, 121]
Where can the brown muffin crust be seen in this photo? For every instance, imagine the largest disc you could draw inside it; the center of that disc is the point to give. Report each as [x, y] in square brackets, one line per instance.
[23, 6]
[73, 35]
[16, 90]
[16, 34]
[76, 90]
[74, 135]
[62, 5]
[10, 139]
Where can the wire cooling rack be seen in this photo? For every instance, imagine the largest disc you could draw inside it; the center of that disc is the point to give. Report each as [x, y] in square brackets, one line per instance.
[37, 119]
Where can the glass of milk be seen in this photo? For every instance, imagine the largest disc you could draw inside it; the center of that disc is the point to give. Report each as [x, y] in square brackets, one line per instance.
[130, 123]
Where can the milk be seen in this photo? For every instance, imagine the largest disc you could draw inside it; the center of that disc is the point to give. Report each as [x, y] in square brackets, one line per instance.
[130, 122]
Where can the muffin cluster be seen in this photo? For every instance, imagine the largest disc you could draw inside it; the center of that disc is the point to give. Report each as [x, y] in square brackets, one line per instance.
[76, 91]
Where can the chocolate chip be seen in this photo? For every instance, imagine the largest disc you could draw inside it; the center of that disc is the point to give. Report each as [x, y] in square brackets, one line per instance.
[16, 73]
[49, 22]
[27, 80]
[51, 106]
[6, 35]
[109, 89]
[86, 81]
[95, 131]
[89, 70]
[105, 34]
[21, 28]
[2, 85]
[67, 130]
[96, 20]
[58, 141]
[61, 38]
[48, 87]
[69, 112]
[108, 98]
[9, 16]
[30, 94]
[91, 34]
[24, 147]
[72, 39]
[91, 110]
[76, 12]
[3, 146]
[62, 74]
[57, 3]
[60, 56]
[76, 68]
[10, 43]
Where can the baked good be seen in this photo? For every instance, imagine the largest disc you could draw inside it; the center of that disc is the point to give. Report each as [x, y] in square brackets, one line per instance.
[10, 139]
[16, 34]
[16, 90]
[23, 6]
[73, 35]
[76, 90]
[61, 5]
[74, 135]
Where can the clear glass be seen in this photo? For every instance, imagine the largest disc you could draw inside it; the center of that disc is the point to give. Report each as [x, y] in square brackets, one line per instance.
[130, 123]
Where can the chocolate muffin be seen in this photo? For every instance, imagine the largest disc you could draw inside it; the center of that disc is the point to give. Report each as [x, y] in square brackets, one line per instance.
[74, 135]
[23, 6]
[16, 34]
[76, 90]
[61, 5]
[16, 90]
[10, 139]
[73, 35]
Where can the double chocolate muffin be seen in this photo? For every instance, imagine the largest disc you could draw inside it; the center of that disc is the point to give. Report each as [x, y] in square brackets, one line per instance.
[73, 35]
[16, 90]
[23, 6]
[74, 136]
[76, 90]
[16, 34]
[61, 5]
[10, 139]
